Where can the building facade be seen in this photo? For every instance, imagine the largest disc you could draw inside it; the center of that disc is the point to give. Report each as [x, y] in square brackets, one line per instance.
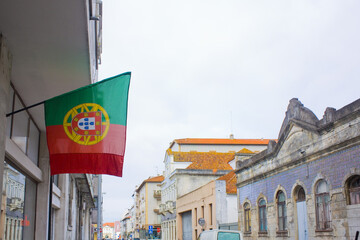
[132, 222]
[37, 63]
[125, 227]
[117, 229]
[306, 185]
[211, 206]
[191, 163]
[147, 201]
[109, 230]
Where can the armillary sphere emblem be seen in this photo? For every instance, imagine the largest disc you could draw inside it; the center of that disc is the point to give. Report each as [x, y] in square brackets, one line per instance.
[87, 123]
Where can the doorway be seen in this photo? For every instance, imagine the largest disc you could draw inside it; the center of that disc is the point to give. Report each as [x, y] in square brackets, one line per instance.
[186, 225]
[301, 214]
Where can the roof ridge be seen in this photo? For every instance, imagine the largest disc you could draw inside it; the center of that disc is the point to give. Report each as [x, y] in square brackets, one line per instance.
[223, 141]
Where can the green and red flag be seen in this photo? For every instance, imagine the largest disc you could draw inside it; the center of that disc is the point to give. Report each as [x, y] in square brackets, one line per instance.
[86, 128]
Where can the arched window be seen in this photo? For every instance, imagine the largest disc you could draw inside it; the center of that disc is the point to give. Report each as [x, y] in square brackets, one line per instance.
[281, 207]
[323, 220]
[301, 197]
[354, 190]
[262, 215]
[247, 217]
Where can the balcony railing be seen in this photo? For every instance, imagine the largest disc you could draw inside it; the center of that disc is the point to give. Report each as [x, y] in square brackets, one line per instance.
[157, 194]
[162, 208]
[169, 206]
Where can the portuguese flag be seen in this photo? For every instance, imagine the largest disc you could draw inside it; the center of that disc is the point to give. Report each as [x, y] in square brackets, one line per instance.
[86, 128]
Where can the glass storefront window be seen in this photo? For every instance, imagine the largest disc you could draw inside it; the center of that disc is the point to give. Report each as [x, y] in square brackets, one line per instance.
[33, 144]
[9, 109]
[20, 194]
[20, 126]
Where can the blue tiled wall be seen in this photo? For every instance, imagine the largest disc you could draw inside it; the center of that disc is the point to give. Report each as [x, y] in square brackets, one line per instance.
[334, 167]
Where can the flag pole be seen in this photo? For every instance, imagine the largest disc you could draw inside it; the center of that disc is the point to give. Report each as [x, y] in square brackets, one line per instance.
[25, 108]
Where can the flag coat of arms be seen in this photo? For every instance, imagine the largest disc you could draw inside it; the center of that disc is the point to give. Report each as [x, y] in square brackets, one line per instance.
[86, 128]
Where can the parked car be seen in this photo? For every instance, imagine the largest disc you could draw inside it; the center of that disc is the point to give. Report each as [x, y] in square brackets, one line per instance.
[219, 234]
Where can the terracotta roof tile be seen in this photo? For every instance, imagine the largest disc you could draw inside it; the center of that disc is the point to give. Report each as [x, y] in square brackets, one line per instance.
[205, 160]
[155, 179]
[222, 141]
[230, 179]
[108, 224]
[245, 150]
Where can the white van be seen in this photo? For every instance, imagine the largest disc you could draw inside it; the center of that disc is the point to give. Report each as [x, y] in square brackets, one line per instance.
[219, 234]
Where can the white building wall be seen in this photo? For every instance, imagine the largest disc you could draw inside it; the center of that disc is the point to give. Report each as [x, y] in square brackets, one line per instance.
[142, 207]
[187, 183]
[153, 203]
[221, 203]
[232, 210]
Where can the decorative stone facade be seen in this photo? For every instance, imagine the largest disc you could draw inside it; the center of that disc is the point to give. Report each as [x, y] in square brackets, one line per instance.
[315, 166]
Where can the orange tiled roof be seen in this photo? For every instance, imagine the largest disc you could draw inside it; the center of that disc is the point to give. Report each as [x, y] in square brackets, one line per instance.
[230, 179]
[151, 180]
[108, 224]
[205, 160]
[155, 179]
[222, 141]
[245, 150]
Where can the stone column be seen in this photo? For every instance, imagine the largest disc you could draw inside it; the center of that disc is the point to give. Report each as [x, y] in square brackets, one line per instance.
[8, 221]
[61, 216]
[5, 71]
[43, 191]
[12, 228]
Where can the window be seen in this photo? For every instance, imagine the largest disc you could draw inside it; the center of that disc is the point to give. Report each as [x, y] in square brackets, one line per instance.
[196, 218]
[322, 196]
[21, 128]
[20, 204]
[247, 217]
[228, 236]
[71, 196]
[262, 215]
[9, 109]
[19, 133]
[210, 213]
[281, 207]
[301, 197]
[354, 190]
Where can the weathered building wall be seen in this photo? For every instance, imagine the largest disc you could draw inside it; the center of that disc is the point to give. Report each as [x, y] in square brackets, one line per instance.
[334, 167]
[5, 71]
[307, 175]
[308, 150]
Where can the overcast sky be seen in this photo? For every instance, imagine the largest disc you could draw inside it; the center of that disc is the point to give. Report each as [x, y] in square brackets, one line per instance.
[205, 69]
